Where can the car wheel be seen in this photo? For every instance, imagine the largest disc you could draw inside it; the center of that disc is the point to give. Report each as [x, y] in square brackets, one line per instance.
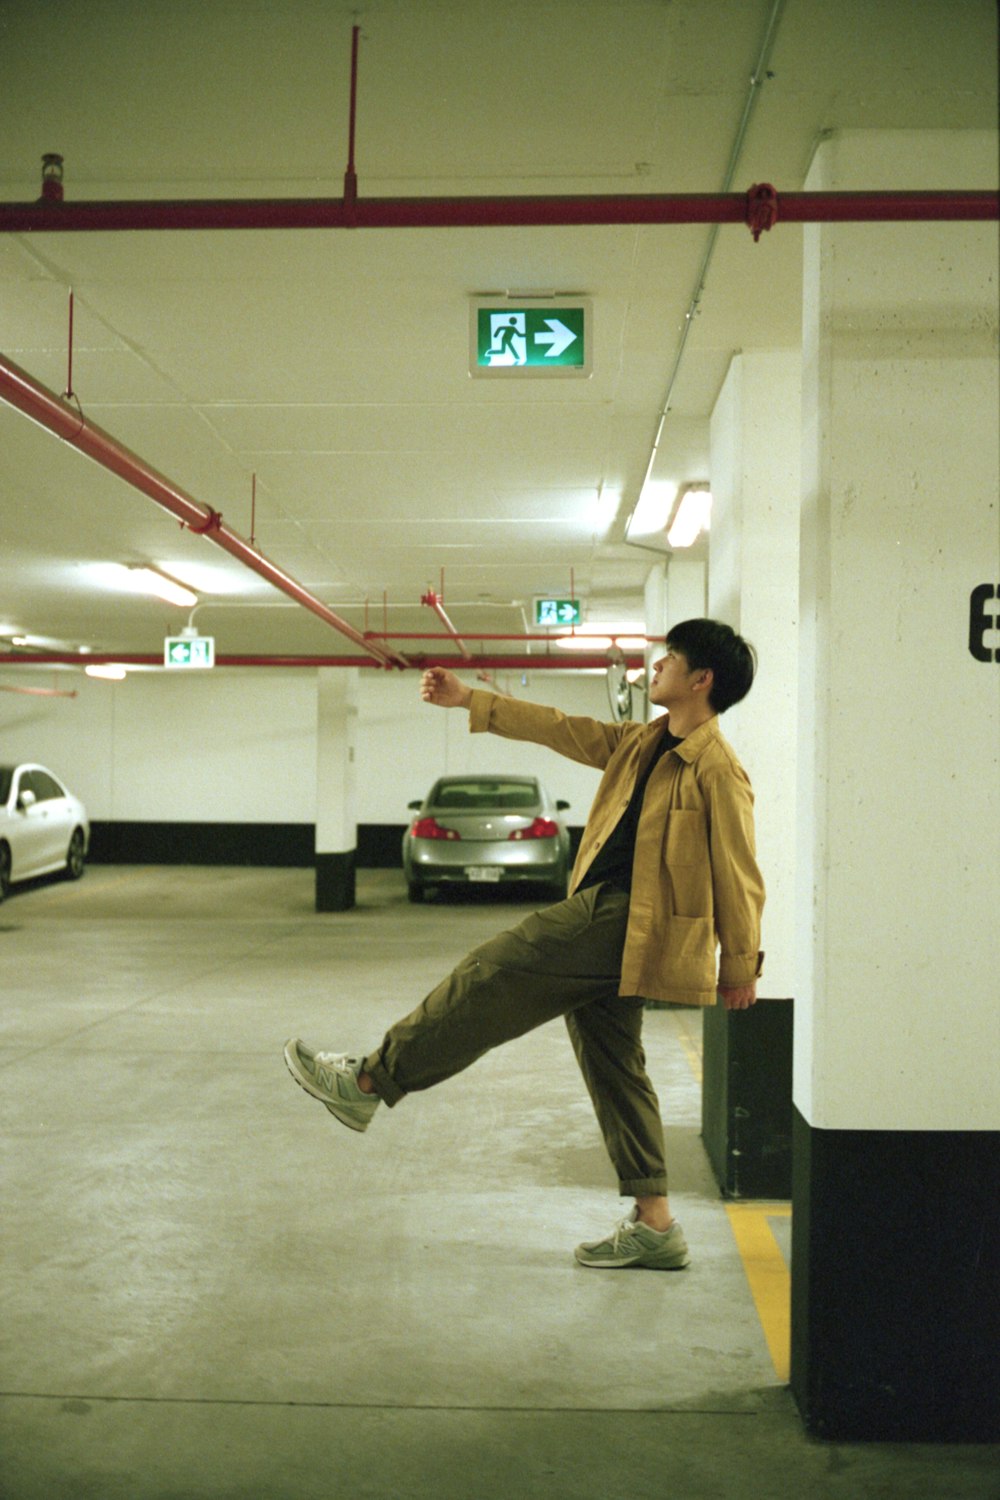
[4, 870]
[75, 855]
[415, 892]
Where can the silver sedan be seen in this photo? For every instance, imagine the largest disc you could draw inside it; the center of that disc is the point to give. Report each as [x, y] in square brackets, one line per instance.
[486, 830]
[43, 827]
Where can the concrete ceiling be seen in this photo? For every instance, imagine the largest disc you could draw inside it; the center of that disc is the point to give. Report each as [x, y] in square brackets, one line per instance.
[333, 364]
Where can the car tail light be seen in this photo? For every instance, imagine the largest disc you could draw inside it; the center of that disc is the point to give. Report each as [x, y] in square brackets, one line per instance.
[430, 828]
[541, 828]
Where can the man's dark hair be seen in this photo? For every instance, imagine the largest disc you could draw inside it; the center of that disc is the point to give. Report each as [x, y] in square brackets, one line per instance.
[731, 660]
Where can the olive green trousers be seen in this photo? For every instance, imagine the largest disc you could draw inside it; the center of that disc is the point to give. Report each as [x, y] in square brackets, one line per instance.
[562, 961]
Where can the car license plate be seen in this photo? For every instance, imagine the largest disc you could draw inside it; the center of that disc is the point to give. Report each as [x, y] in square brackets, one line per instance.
[482, 872]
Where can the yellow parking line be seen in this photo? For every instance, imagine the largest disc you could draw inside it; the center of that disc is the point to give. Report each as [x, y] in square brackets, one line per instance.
[767, 1275]
[763, 1263]
[690, 1043]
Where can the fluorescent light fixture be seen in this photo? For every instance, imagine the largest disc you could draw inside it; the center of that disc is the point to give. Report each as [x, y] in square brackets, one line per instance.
[652, 510]
[581, 642]
[110, 671]
[151, 581]
[692, 516]
[604, 509]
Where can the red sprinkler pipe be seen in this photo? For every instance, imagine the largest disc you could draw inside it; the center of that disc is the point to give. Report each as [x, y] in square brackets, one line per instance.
[25, 394]
[37, 692]
[437, 605]
[449, 213]
[478, 635]
[579, 660]
[350, 175]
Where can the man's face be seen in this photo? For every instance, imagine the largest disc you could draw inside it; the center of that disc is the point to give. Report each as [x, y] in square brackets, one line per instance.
[672, 681]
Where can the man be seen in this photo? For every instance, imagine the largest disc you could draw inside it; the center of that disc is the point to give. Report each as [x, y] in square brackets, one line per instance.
[666, 872]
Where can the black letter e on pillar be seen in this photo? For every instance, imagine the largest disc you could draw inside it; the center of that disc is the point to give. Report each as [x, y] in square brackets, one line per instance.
[980, 622]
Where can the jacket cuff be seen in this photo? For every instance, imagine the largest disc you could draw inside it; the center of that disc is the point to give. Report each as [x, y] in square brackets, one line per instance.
[479, 711]
[738, 969]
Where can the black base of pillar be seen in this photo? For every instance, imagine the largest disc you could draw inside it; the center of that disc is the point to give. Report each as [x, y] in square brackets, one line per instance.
[895, 1270]
[746, 1098]
[335, 881]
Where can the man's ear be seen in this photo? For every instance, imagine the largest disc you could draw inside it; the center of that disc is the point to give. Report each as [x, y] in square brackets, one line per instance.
[703, 682]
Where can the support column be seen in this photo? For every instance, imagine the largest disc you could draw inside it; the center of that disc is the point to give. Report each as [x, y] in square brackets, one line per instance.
[753, 585]
[336, 787]
[685, 589]
[895, 1232]
[655, 617]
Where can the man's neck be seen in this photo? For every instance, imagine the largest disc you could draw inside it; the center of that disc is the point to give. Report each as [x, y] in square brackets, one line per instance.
[686, 718]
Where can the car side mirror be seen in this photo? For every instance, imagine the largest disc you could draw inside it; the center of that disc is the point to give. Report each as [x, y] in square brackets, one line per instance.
[415, 806]
[26, 799]
[561, 806]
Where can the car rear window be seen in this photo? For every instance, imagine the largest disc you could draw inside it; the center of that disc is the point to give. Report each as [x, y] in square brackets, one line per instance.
[476, 795]
[6, 776]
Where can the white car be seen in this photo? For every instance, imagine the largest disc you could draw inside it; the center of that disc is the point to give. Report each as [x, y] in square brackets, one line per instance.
[43, 827]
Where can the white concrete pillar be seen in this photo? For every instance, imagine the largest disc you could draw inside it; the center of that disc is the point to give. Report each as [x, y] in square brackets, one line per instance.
[336, 787]
[753, 585]
[897, 1031]
[655, 616]
[686, 597]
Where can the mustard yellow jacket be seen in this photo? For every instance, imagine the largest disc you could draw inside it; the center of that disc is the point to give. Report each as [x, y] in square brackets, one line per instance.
[695, 881]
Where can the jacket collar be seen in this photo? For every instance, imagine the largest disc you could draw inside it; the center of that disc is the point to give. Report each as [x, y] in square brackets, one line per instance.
[698, 740]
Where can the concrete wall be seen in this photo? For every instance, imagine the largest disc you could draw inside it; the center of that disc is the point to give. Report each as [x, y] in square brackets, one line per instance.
[240, 745]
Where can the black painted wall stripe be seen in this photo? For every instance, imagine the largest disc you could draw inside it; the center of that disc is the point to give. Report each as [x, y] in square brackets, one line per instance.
[264, 844]
[895, 1270]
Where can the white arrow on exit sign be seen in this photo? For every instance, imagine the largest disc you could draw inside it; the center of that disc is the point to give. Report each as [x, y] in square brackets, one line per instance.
[559, 337]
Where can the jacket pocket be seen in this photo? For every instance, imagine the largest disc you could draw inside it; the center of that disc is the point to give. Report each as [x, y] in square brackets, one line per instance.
[688, 866]
[689, 963]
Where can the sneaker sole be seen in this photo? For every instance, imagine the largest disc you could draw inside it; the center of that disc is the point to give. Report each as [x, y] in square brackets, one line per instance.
[305, 1083]
[630, 1263]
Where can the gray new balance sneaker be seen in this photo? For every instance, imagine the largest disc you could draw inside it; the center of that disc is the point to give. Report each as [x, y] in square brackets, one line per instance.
[332, 1078]
[633, 1244]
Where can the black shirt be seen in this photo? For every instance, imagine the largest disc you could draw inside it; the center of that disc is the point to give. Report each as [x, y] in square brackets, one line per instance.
[613, 863]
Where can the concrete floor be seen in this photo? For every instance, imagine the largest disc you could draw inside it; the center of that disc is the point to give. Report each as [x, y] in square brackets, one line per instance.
[210, 1289]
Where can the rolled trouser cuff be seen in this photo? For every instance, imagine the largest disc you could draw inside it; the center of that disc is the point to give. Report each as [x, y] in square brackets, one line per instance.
[386, 1086]
[643, 1187]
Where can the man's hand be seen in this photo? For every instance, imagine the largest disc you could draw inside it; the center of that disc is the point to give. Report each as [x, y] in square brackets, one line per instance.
[740, 998]
[438, 685]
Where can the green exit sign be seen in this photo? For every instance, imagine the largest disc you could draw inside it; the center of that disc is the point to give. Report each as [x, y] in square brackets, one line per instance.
[533, 336]
[189, 651]
[557, 612]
